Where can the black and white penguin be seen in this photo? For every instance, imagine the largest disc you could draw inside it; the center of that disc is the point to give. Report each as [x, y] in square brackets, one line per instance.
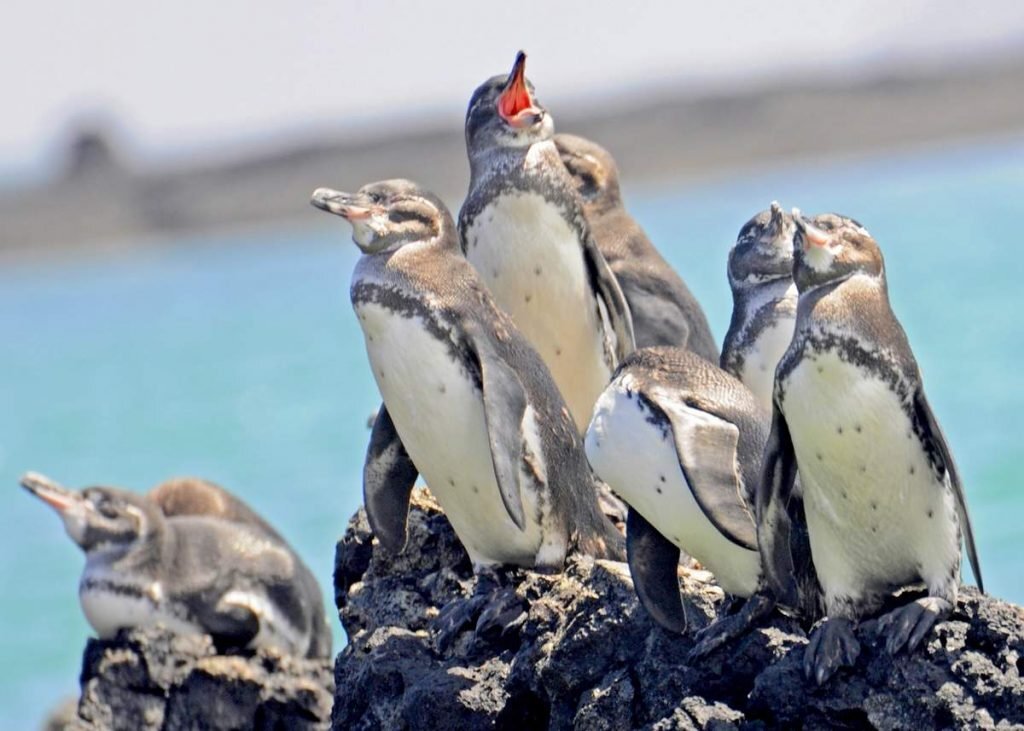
[664, 310]
[764, 300]
[681, 441]
[467, 402]
[523, 228]
[189, 573]
[884, 504]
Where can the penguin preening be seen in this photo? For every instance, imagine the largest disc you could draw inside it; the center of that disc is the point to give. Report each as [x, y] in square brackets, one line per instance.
[467, 402]
[191, 573]
[663, 309]
[884, 502]
[524, 229]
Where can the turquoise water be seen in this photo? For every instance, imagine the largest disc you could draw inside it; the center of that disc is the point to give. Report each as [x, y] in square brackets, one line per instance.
[237, 358]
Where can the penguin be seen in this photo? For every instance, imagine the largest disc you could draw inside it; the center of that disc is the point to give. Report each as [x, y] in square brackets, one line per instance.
[467, 402]
[191, 574]
[523, 227]
[764, 297]
[681, 441]
[883, 500]
[663, 309]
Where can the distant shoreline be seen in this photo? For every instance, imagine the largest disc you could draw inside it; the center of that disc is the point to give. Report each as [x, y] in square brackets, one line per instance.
[101, 205]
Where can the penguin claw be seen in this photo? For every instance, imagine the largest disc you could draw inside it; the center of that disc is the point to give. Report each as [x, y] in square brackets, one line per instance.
[503, 614]
[494, 612]
[832, 645]
[908, 625]
[454, 617]
[729, 627]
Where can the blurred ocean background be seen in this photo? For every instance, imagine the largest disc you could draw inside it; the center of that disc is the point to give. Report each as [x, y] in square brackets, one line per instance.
[237, 357]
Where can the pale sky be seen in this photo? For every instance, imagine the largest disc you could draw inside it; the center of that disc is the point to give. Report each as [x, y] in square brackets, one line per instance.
[213, 75]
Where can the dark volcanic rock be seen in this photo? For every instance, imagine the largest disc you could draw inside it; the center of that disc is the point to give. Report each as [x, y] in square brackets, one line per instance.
[588, 657]
[153, 679]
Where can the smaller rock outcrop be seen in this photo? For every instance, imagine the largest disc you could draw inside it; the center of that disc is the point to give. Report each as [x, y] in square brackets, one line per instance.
[153, 679]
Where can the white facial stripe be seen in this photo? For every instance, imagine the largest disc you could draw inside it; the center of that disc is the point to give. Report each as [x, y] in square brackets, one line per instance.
[820, 258]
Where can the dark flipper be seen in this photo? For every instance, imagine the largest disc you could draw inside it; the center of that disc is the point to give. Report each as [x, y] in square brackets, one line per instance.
[832, 645]
[607, 288]
[726, 629]
[388, 479]
[938, 449]
[232, 626]
[504, 407]
[706, 447]
[654, 563]
[774, 530]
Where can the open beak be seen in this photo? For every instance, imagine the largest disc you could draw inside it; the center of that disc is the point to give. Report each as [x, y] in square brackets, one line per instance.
[778, 218]
[59, 498]
[813, 236]
[515, 104]
[350, 206]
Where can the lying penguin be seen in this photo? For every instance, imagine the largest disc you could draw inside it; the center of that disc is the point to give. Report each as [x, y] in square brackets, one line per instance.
[664, 310]
[467, 402]
[189, 573]
[884, 503]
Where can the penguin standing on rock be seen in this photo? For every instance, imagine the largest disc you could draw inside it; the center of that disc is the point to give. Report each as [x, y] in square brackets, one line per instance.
[191, 573]
[467, 403]
[764, 301]
[664, 310]
[523, 228]
[884, 504]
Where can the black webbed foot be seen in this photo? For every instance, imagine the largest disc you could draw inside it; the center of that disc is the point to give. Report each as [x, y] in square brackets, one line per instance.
[732, 625]
[906, 626]
[833, 645]
[493, 610]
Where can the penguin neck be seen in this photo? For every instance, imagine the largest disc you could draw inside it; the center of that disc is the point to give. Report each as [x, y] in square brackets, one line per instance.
[143, 555]
[775, 294]
[500, 160]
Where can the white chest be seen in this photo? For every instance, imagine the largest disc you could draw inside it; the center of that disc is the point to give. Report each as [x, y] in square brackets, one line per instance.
[640, 463]
[761, 359]
[439, 415]
[109, 605]
[531, 259]
[877, 514]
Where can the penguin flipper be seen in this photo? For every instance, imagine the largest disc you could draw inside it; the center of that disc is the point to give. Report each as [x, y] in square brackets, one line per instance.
[938, 452]
[706, 448]
[388, 479]
[653, 563]
[778, 476]
[504, 407]
[610, 295]
[231, 625]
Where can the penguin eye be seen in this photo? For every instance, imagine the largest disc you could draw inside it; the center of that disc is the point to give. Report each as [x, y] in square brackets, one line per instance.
[107, 509]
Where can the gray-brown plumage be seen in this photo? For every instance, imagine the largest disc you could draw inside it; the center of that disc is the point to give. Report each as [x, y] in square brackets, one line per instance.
[884, 504]
[664, 310]
[190, 573]
[467, 402]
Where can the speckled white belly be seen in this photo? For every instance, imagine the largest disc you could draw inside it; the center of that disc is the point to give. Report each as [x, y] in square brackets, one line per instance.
[439, 415]
[877, 515]
[531, 260]
[640, 464]
[763, 356]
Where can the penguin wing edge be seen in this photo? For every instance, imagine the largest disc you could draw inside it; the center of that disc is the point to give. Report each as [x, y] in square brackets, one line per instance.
[706, 447]
[936, 445]
[654, 563]
[778, 477]
[608, 291]
[504, 408]
[388, 479]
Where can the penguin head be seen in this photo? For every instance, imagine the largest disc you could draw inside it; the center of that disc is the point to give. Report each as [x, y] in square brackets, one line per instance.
[504, 113]
[763, 251]
[97, 518]
[830, 248]
[593, 171]
[388, 214]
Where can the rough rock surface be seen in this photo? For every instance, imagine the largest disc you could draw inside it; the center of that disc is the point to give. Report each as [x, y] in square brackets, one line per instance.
[152, 679]
[588, 657]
